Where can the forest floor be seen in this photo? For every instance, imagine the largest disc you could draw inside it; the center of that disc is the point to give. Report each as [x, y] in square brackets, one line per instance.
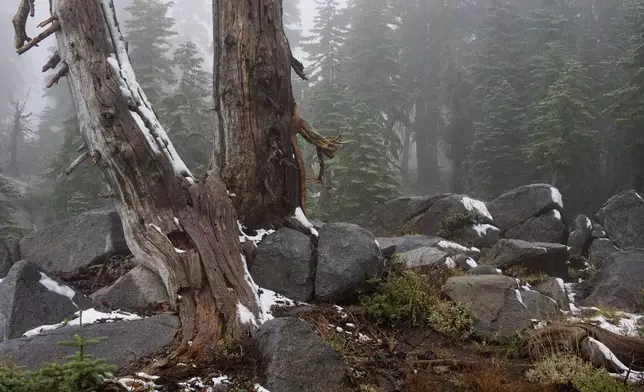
[380, 360]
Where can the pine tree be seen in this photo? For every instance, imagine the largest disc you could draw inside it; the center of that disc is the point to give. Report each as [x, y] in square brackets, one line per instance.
[79, 191]
[292, 21]
[495, 163]
[563, 141]
[149, 32]
[187, 111]
[363, 173]
[496, 158]
[8, 226]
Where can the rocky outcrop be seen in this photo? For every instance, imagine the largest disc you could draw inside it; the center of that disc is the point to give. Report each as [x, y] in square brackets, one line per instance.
[555, 289]
[540, 307]
[599, 252]
[622, 216]
[618, 283]
[295, 359]
[139, 288]
[494, 300]
[81, 241]
[547, 227]
[9, 255]
[348, 256]
[126, 341]
[285, 263]
[518, 205]
[30, 298]
[534, 256]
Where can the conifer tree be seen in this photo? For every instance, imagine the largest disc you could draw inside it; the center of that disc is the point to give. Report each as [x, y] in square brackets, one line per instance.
[187, 111]
[8, 226]
[148, 33]
[363, 175]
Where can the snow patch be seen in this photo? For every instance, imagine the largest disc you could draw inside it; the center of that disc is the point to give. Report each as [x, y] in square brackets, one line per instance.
[589, 224]
[245, 315]
[556, 214]
[446, 245]
[57, 288]
[299, 215]
[476, 206]
[450, 263]
[90, 316]
[482, 229]
[257, 238]
[556, 196]
[560, 282]
[471, 263]
[519, 298]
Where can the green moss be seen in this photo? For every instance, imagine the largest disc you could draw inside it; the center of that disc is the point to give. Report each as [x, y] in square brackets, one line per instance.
[452, 226]
[521, 273]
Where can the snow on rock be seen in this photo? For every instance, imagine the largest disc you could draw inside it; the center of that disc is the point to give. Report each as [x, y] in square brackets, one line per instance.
[257, 238]
[57, 288]
[476, 206]
[89, 316]
[450, 263]
[482, 229]
[556, 214]
[299, 215]
[448, 245]
[556, 196]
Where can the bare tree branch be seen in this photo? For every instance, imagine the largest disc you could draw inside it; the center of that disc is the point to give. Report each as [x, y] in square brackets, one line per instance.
[77, 162]
[55, 26]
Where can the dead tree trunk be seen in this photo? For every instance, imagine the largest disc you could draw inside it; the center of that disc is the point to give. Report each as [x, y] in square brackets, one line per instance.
[258, 120]
[183, 229]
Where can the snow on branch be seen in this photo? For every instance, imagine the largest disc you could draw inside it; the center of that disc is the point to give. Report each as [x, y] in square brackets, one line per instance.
[140, 107]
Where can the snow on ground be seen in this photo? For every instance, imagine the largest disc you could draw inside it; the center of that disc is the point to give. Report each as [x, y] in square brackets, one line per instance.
[482, 229]
[195, 384]
[299, 215]
[476, 206]
[89, 316]
[448, 245]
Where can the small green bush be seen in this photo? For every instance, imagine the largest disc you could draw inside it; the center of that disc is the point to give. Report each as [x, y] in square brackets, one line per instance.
[80, 373]
[561, 370]
[452, 226]
[405, 297]
[521, 273]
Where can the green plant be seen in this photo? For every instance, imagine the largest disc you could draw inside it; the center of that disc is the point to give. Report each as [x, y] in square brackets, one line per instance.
[81, 372]
[405, 297]
[561, 370]
[520, 272]
[452, 226]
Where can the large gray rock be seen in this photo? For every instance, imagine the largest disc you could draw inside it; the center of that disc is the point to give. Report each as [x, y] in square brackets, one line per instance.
[139, 288]
[29, 298]
[494, 300]
[599, 252]
[9, 255]
[348, 257]
[285, 263]
[455, 211]
[555, 289]
[88, 238]
[480, 235]
[296, 359]
[126, 341]
[540, 307]
[619, 283]
[534, 256]
[598, 231]
[389, 218]
[623, 218]
[547, 227]
[520, 204]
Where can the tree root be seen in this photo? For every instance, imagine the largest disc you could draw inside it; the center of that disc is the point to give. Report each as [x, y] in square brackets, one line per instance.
[323, 146]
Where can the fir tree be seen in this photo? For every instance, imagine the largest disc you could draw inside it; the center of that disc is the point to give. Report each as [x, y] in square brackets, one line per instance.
[149, 32]
[187, 111]
[496, 164]
[363, 173]
[8, 226]
[563, 141]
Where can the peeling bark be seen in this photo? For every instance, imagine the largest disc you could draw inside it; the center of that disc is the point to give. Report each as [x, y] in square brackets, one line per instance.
[183, 229]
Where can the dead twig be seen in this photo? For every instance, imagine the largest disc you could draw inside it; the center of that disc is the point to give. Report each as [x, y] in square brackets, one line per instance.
[63, 71]
[47, 21]
[52, 63]
[77, 162]
[55, 26]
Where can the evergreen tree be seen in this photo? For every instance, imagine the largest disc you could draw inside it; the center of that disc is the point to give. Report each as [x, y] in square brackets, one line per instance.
[562, 145]
[292, 21]
[495, 163]
[363, 175]
[79, 191]
[187, 112]
[8, 226]
[149, 32]
[496, 158]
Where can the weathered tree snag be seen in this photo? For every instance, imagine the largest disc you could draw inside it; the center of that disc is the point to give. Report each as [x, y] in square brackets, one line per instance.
[256, 111]
[183, 229]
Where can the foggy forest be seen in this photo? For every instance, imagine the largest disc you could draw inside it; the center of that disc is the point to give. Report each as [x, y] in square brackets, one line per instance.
[322, 195]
